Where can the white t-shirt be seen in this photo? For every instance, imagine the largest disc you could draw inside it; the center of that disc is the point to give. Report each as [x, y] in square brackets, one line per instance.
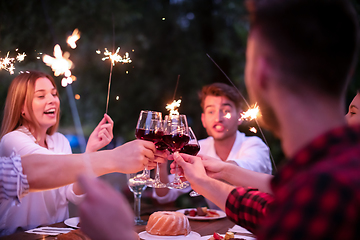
[248, 152]
[36, 208]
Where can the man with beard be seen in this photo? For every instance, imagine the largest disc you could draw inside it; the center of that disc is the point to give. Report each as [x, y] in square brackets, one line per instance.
[221, 117]
[300, 56]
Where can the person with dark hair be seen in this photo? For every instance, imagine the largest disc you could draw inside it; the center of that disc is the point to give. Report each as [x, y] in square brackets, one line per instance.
[353, 116]
[221, 104]
[299, 59]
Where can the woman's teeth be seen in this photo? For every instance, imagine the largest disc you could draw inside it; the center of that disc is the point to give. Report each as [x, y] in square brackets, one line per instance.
[50, 112]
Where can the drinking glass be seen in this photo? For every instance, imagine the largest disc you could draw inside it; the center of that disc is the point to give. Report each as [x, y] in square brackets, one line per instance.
[149, 128]
[176, 137]
[137, 185]
[192, 148]
[160, 145]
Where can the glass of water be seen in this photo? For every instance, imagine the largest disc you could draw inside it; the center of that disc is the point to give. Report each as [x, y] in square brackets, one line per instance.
[137, 185]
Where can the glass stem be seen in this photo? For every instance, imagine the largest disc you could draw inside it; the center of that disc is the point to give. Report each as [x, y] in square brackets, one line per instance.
[146, 172]
[177, 178]
[137, 205]
[157, 175]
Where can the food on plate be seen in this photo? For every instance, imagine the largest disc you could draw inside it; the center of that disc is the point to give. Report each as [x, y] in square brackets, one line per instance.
[201, 211]
[76, 234]
[168, 223]
[228, 236]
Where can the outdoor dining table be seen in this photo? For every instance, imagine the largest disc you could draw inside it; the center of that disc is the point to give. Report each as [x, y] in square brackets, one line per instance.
[203, 227]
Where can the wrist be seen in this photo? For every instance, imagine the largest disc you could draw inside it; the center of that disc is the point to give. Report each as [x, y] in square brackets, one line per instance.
[224, 173]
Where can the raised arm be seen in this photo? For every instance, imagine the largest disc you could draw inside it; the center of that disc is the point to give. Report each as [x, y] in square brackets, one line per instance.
[130, 157]
[236, 175]
[244, 206]
[194, 171]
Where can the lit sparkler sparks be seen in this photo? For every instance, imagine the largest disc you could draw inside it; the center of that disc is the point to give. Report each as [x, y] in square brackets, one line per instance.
[60, 65]
[172, 107]
[7, 64]
[228, 115]
[115, 57]
[251, 114]
[71, 40]
[253, 129]
[20, 57]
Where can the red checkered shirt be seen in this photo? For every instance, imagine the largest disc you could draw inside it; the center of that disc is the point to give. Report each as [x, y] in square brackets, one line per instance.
[316, 195]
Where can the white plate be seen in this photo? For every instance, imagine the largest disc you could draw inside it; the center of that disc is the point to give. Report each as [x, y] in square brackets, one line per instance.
[192, 235]
[236, 236]
[72, 222]
[221, 214]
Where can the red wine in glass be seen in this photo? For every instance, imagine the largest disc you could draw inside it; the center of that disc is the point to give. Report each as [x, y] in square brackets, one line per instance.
[161, 146]
[191, 149]
[175, 141]
[149, 135]
[149, 127]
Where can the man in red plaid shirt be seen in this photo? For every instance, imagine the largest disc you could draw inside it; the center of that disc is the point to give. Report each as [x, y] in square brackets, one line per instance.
[300, 56]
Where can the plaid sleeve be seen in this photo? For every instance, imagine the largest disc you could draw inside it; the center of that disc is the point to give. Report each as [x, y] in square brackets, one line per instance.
[322, 208]
[247, 207]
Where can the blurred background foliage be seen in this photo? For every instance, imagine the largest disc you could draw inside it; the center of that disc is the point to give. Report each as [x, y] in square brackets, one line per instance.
[164, 39]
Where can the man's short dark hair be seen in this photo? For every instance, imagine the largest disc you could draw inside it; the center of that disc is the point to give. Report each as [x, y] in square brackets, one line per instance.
[221, 89]
[312, 40]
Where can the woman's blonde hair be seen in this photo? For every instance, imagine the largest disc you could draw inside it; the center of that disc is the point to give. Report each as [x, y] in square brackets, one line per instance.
[21, 94]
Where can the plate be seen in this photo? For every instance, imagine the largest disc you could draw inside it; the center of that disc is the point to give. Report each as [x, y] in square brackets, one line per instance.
[223, 235]
[192, 235]
[72, 222]
[221, 214]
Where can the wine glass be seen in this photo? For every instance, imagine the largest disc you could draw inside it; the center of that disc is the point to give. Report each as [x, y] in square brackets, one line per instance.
[148, 128]
[176, 137]
[160, 145]
[137, 185]
[192, 148]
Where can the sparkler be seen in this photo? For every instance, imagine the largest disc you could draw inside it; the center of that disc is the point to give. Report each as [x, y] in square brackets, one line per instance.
[251, 114]
[253, 129]
[20, 57]
[71, 40]
[60, 64]
[172, 107]
[7, 64]
[114, 58]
